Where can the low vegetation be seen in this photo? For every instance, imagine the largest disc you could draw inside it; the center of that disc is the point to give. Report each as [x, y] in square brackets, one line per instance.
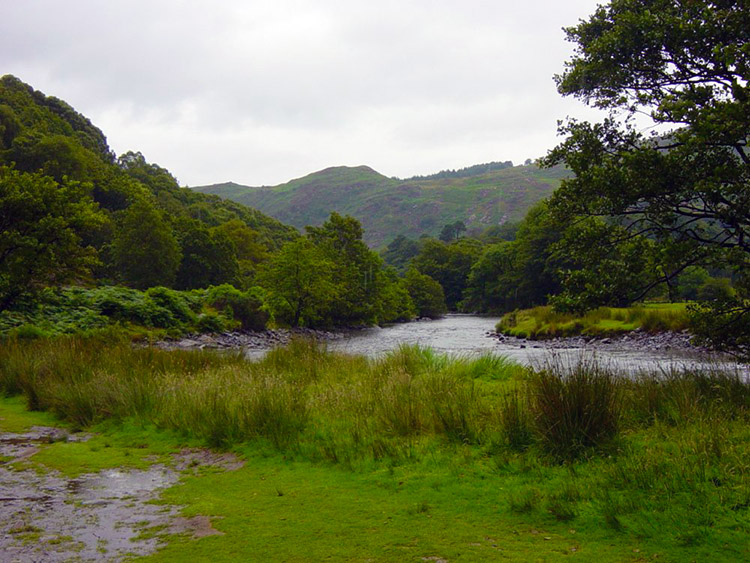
[117, 312]
[656, 461]
[545, 322]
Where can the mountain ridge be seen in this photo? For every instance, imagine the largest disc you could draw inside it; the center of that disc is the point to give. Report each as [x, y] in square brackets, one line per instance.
[389, 207]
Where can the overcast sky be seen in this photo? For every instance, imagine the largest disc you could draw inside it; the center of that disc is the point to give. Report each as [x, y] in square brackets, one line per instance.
[259, 92]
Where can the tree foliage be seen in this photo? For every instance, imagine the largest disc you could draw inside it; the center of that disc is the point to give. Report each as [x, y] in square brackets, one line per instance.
[208, 258]
[452, 231]
[145, 250]
[357, 270]
[426, 293]
[299, 284]
[42, 224]
[449, 265]
[399, 252]
[687, 66]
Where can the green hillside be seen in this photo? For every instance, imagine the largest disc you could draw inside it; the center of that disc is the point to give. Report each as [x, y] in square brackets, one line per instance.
[389, 207]
[40, 133]
[72, 212]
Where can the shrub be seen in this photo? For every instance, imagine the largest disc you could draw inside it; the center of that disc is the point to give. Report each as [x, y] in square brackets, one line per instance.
[131, 305]
[175, 302]
[245, 307]
[211, 322]
[28, 332]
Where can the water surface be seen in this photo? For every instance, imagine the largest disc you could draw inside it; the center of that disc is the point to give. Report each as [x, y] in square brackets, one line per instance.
[468, 335]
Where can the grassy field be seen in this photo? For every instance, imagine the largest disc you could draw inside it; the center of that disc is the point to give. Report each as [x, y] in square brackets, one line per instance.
[414, 457]
[543, 322]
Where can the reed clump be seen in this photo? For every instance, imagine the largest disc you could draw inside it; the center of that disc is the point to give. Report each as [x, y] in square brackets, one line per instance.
[575, 407]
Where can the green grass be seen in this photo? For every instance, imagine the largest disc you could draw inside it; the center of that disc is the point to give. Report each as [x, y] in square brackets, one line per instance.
[543, 322]
[16, 417]
[412, 456]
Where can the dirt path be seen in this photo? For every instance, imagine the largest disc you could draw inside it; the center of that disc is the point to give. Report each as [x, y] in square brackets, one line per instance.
[93, 517]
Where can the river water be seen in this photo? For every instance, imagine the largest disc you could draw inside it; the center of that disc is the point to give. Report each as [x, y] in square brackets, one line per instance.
[468, 335]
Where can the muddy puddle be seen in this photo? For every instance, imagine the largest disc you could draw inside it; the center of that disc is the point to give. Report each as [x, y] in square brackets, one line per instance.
[103, 516]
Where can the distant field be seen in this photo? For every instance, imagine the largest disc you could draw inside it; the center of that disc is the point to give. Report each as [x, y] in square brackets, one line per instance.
[389, 207]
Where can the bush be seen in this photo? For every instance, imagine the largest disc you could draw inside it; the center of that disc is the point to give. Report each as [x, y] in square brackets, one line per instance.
[131, 305]
[515, 422]
[28, 332]
[245, 307]
[176, 302]
[211, 322]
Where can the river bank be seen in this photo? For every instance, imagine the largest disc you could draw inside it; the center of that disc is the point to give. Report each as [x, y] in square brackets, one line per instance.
[453, 334]
[633, 341]
[245, 339]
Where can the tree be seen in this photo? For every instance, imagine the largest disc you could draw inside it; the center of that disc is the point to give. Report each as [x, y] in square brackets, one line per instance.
[145, 250]
[299, 284]
[399, 252]
[208, 258]
[426, 293]
[10, 126]
[42, 223]
[494, 280]
[687, 66]
[452, 231]
[357, 270]
[449, 265]
[250, 251]
[598, 264]
[396, 304]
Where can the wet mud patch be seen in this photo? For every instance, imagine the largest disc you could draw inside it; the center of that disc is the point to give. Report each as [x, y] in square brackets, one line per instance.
[195, 458]
[196, 527]
[104, 516]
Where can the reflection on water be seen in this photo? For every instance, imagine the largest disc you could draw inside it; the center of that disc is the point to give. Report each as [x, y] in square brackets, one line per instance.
[467, 335]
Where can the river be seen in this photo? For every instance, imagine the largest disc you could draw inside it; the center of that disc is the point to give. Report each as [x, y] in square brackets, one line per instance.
[468, 335]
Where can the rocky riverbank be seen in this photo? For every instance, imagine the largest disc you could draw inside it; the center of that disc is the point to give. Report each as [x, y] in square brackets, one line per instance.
[637, 340]
[261, 340]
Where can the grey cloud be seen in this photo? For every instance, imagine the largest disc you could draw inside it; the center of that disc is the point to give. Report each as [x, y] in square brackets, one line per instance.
[257, 91]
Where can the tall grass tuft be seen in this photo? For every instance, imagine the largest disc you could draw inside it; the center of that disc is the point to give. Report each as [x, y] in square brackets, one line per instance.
[575, 407]
[515, 421]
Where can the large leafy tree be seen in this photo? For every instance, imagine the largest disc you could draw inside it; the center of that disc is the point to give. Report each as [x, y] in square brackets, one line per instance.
[208, 258]
[426, 294]
[145, 250]
[299, 284]
[42, 223]
[685, 65]
[357, 270]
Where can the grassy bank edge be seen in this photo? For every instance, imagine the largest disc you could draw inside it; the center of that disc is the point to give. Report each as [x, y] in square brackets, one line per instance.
[542, 322]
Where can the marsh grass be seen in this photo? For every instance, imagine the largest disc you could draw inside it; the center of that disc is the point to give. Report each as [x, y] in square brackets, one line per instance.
[300, 397]
[658, 455]
[576, 407]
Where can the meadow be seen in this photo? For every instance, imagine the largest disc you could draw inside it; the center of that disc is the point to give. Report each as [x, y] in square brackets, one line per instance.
[414, 456]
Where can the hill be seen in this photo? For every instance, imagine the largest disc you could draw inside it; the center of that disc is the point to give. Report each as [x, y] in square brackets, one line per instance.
[40, 133]
[74, 212]
[480, 196]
